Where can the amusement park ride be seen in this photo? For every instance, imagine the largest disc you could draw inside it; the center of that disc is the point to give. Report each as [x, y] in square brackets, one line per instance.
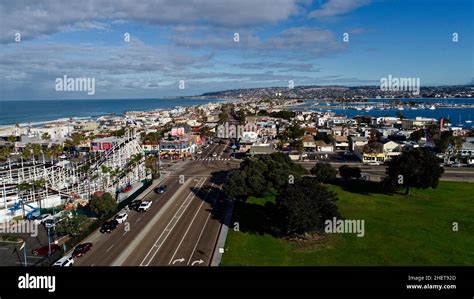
[65, 183]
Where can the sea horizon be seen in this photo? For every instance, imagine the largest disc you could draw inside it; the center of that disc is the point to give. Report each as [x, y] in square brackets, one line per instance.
[36, 112]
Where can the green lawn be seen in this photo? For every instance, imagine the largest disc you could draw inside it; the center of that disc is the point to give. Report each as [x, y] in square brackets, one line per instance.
[399, 230]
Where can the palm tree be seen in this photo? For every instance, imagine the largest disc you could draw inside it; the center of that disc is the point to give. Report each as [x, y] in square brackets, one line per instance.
[46, 136]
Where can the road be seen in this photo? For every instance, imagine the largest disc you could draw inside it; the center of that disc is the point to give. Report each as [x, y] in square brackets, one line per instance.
[461, 174]
[180, 228]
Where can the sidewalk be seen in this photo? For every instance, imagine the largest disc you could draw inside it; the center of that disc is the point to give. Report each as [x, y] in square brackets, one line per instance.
[220, 244]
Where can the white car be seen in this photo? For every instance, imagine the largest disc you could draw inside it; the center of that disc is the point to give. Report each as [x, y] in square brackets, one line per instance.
[144, 206]
[214, 155]
[121, 217]
[42, 218]
[373, 163]
[199, 152]
[65, 261]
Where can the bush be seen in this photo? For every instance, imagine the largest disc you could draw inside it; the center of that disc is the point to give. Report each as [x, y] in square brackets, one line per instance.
[323, 172]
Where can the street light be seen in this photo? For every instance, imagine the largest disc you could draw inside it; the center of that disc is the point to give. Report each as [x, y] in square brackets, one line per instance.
[23, 246]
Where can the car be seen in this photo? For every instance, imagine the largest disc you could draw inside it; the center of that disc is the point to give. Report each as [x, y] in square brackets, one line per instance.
[109, 226]
[42, 218]
[214, 154]
[373, 163]
[81, 249]
[49, 223]
[161, 189]
[134, 204]
[121, 217]
[65, 261]
[145, 205]
[44, 250]
[199, 152]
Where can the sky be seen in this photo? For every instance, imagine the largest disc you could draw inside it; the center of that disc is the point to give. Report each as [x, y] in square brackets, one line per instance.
[213, 45]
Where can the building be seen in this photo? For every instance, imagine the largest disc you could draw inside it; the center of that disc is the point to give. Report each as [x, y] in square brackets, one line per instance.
[104, 144]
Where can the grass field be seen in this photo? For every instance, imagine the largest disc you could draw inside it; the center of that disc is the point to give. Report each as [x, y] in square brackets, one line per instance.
[399, 230]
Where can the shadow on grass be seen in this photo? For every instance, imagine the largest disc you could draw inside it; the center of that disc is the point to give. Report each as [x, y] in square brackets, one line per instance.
[361, 187]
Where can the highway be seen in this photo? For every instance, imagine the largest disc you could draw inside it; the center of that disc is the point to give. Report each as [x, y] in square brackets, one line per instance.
[180, 228]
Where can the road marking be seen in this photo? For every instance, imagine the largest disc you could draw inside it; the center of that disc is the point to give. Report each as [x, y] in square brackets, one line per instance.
[4, 248]
[178, 260]
[158, 244]
[202, 230]
[109, 248]
[190, 224]
[92, 265]
[197, 262]
[138, 220]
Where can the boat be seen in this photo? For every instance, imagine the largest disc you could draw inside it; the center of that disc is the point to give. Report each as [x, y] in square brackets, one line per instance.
[469, 120]
[432, 107]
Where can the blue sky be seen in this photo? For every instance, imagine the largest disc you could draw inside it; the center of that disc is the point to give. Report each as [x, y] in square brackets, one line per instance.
[280, 40]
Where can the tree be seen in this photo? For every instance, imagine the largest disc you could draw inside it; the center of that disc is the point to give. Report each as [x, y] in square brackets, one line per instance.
[46, 136]
[223, 117]
[419, 168]
[417, 135]
[304, 206]
[323, 172]
[152, 166]
[72, 226]
[294, 131]
[102, 205]
[260, 175]
[348, 172]
[284, 114]
[11, 138]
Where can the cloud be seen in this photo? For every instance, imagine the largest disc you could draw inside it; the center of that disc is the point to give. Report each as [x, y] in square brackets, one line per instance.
[337, 7]
[34, 18]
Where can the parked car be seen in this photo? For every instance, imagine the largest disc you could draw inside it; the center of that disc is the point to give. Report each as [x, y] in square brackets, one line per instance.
[457, 165]
[121, 217]
[65, 261]
[42, 218]
[214, 154]
[81, 249]
[161, 189]
[373, 163]
[134, 204]
[44, 250]
[108, 226]
[145, 205]
[199, 152]
[127, 188]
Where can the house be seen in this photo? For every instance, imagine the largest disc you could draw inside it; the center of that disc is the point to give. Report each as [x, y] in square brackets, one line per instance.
[341, 143]
[321, 146]
[357, 141]
[309, 144]
[151, 147]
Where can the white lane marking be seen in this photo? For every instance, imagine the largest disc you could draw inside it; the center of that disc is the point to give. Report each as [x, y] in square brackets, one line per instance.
[197, 262]
[111, 246]
[204, 226]
[167, 230]
[190, 224]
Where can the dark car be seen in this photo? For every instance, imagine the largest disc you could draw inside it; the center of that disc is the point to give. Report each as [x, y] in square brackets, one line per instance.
[45, 249]
[109, 226]
[161, 189]
[134, 204]
[81, 249]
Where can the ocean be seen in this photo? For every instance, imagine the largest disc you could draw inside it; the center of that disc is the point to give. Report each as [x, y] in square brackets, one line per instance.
[38, 111]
